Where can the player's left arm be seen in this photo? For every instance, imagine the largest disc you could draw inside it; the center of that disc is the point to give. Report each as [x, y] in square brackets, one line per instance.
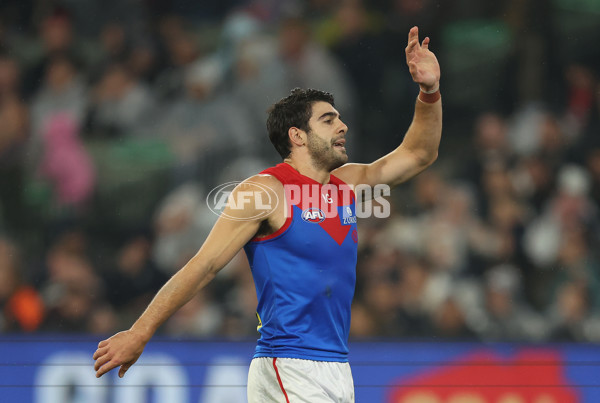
[419, 149]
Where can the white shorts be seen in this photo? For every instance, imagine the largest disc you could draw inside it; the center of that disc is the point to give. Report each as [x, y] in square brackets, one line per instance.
[292, 380]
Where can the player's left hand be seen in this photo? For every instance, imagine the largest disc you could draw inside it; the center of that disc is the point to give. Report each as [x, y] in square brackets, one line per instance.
[422, 63]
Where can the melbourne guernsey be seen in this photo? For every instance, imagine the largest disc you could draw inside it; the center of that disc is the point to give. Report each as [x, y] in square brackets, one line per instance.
[305, 272]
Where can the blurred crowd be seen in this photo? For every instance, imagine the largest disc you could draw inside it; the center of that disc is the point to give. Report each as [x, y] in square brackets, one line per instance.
[117, 118]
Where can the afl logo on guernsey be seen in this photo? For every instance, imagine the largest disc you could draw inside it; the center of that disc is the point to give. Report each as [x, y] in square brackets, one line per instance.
[313, 215]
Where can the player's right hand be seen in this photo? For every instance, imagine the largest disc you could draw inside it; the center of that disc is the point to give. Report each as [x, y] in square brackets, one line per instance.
[123, 349]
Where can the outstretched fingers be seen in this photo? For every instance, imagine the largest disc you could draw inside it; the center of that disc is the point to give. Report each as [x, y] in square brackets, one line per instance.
[425, 44]
[104, 365]
[101, 350]
[413, 34]
[422, 63]
[124, 369]
[103, 358]
[412, 44]
[100, 361]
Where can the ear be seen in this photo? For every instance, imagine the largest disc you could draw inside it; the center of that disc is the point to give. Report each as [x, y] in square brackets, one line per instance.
[297, 136]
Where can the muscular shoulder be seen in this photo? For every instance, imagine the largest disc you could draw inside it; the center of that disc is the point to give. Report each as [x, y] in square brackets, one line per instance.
[265, 180]
[255, 198]
[264, 185]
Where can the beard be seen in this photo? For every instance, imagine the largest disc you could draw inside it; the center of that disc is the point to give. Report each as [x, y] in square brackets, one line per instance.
[324, 155]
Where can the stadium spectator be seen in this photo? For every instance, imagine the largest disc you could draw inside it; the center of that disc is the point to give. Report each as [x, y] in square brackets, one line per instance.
[121, 105]
[65, 162]
[133, 278]
[63, 92]
[21, 306]
[14, 134]
[57, 40]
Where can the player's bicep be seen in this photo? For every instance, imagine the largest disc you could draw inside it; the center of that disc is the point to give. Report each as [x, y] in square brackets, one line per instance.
[246, 209]
[226, 239]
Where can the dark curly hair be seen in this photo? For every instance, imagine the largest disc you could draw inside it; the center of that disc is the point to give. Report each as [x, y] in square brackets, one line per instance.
[294, 110]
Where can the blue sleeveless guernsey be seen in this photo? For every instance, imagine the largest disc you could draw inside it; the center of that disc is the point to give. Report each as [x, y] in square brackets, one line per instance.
[305, 273]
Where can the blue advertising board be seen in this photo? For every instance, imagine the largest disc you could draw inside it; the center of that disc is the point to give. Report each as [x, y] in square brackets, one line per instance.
[59, 369]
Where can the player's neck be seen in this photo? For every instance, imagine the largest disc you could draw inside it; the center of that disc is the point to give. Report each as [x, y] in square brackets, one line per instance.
[307, 169]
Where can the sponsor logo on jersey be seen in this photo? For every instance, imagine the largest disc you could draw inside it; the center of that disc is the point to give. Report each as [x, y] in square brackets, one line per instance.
[313, 215]
[348, 218]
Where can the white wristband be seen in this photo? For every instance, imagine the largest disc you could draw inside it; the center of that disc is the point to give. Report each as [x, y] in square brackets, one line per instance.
[430, 91]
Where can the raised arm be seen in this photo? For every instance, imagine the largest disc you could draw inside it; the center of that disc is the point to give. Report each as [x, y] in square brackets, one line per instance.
[234, 228]
[420, 145]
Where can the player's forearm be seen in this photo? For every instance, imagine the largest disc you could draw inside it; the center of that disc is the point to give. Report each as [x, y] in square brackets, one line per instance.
[423, 136]
[173, 295]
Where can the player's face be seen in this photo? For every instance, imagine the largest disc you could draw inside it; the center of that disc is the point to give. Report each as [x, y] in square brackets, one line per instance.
[327, 137]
